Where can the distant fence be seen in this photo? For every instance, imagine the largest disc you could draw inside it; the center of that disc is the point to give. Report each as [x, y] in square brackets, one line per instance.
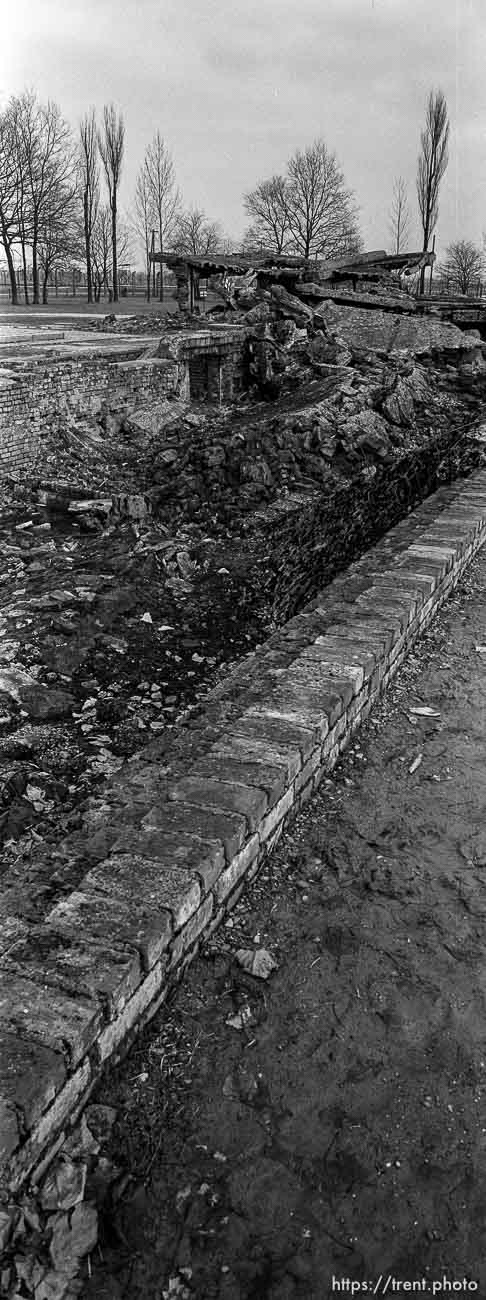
[73, 284]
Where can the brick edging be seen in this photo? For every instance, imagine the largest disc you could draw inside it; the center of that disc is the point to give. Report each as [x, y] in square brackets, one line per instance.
[115, 945]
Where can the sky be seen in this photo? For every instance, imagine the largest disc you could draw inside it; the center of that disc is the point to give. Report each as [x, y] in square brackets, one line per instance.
[235, 86]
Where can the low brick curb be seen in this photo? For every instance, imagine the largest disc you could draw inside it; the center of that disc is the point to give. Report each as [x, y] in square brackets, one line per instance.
[75, 988]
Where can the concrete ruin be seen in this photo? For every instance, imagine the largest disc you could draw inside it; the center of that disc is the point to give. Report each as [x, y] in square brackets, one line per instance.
[184, 504]
[278, 322]
[44, 382]
[371, 272]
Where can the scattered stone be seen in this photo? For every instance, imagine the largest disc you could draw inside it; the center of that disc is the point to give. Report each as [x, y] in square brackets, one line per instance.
[241, 1019]
[46, 705]
[7, 1221]
[100, 1120]
[257, 961]
[291, 306]
[64, 1185]
[423, 711]
[73, 1237]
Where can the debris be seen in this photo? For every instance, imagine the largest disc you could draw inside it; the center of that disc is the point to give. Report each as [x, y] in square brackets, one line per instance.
[54, 1285]
[423, 711]
[38, 800]
[177, 1290]
[241, 1019]
[6, 1227]
[229, 1088]
[100, 504]
[64, 1185]
[181, 1198]
[257, 962]
[100, 1120]
[73, 1236]
[146, 618]
[416, 763]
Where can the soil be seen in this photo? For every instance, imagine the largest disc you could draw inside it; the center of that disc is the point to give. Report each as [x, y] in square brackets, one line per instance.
[341, 1133]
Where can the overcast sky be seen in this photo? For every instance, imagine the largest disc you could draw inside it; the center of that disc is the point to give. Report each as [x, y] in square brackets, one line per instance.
[235, 86]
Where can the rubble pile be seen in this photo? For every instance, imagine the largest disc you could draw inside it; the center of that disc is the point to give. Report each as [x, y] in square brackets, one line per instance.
[159, 546]
[107, 634]
[172, 545]
[328, 393]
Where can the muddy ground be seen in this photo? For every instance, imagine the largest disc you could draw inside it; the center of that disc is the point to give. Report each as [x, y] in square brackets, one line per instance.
[342, 1130]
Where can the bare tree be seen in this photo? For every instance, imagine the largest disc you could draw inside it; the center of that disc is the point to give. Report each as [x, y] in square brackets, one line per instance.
[60, 237]
[144, 219]
[399, 215]
[46, 171]
[90, 187]
[17, 114]
[9, 197]
[267, 208]
[111, 144]
[101, 250]
[195, 234]
[463, 266]
[431, 166]
[228, 245]
[321, 214]
[309, 211]
[253, 243]
[164, 194]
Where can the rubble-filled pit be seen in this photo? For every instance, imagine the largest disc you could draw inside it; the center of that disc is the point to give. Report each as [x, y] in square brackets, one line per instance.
[159, 546]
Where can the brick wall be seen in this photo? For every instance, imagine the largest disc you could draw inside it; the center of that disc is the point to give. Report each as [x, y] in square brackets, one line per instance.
[212, 363]
[41, 398]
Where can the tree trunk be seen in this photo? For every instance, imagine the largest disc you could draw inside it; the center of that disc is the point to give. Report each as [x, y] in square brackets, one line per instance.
[11, 271]
[114, 250]
[45, 287]
[24, 274]
[425, 250]
[161, 285]
[23, 245]
[87, 240]
[35, 270]
[422, 277]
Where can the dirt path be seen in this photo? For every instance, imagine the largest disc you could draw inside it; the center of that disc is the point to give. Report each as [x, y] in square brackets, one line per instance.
[341, 1133]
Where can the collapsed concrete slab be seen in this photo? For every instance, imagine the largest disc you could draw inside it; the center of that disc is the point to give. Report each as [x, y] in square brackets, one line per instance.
[390, 333]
